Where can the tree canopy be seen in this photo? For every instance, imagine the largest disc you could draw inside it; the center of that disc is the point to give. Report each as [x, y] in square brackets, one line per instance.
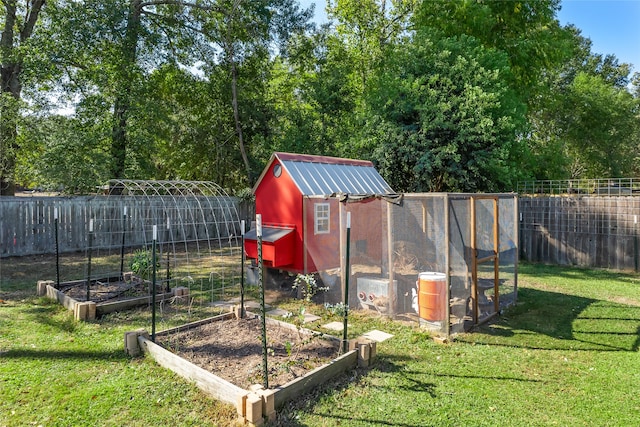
[465, 95]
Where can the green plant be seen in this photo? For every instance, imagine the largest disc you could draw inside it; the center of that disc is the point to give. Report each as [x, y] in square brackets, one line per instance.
[338, 309]
[245, 194]
[142, 263]
[298, 318]
[308, 285]
[288, 347]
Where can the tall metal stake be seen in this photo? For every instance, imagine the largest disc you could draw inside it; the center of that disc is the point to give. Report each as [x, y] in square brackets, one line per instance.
[124, 225]
[168, 288]
[635, 243]
[345, 343]
[265, 369]
[55, 220]
[153, 284]
[89, 260]
[242, 271]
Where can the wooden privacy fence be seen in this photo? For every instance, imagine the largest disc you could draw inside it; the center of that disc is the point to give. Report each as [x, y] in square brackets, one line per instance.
[27, 223]
[589, 231]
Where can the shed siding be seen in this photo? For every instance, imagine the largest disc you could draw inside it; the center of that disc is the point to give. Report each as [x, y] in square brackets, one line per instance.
[279, 202]
[282, 200]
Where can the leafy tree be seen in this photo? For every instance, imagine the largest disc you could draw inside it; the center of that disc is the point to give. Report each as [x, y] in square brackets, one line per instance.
[318, 90]
[367, 28]
[600, 127]
[112, 48]
[314, 97]
[447, 121]
[71, 154]
[246, 33]
[193, 130]
[20, 20]
[584, 125]
[527, 31]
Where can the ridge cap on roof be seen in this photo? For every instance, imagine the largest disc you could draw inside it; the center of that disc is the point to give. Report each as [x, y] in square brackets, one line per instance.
[314, 158]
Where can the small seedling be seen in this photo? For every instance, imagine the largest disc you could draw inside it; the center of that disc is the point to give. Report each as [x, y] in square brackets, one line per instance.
[308, 285]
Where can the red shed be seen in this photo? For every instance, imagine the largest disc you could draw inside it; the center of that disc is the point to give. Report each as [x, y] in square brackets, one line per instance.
[295, 195]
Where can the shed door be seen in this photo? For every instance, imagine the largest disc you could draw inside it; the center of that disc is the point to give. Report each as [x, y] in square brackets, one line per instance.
[485, 273]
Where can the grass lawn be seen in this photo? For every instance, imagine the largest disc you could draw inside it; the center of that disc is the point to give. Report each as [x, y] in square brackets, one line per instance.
[566, 355]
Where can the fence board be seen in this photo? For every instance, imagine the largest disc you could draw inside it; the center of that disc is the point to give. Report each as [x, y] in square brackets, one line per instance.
[589, 231]
[27, 223]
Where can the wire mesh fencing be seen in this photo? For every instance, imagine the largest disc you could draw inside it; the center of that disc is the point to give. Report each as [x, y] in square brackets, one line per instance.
[177, 241]
[601, 187]
[447, 261]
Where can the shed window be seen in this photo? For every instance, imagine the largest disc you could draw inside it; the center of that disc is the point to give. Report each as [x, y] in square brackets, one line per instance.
[321, 216]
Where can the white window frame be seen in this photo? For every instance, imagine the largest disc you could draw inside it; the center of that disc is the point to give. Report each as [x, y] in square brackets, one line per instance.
[322, 218]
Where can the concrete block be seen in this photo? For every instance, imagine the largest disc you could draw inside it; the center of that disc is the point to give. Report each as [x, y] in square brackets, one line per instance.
[84, 310]
[41, 289]
[334, 326]
[364, 352]
[131, 345]
[241, 406]
[252, 275]
[268, 403]
[376, 335]
[254, 409]
[308, 318]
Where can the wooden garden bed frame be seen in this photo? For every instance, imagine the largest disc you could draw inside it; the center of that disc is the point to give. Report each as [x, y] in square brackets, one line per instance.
[89, 310]
[256, 405]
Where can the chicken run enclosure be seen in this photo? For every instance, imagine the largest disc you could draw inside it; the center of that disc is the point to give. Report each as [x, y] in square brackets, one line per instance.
[190, 231]
[446, 260]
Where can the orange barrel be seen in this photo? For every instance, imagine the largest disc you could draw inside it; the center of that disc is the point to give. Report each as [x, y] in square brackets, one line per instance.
[432, 296]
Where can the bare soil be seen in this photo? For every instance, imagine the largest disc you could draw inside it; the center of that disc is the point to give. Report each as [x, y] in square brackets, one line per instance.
[103, 291]
[232, 350]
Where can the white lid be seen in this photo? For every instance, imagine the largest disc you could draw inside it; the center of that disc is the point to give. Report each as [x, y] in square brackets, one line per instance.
[432, 275]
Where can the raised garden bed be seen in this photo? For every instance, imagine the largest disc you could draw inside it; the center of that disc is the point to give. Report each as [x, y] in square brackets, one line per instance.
[106, 295]
[223, 356]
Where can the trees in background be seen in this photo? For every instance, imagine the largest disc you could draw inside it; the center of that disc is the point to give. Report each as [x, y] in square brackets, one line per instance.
[442, 96]
[18, 59]
[109, 51]
[526, 31]
[585, 123]
[600, 126]
[444, 118]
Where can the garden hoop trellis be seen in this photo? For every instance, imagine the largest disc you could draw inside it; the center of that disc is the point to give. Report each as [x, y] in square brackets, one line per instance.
[197, 224]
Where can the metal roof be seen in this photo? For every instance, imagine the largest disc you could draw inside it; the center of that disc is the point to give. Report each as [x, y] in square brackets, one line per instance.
[320, 175]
